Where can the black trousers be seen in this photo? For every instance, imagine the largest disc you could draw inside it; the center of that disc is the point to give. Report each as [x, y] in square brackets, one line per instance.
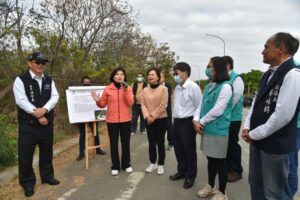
[114, 131]
[82, 136]
[217, 166]
[136, 113]
[170, 129]
[156, 137]
[234, 152]
[185, 147]
[29, 137]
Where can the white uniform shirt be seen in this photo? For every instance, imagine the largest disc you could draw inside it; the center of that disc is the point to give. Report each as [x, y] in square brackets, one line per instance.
[22, 99]
[186, 99]
[287, 101]
[238, 90]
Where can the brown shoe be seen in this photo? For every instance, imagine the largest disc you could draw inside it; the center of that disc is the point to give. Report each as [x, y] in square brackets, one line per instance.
[234, 176]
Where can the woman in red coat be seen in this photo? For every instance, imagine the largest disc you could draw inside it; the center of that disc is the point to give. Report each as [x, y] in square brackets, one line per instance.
[118, 98]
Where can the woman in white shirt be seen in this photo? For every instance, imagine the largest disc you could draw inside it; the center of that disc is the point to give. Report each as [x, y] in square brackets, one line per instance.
[214, 125]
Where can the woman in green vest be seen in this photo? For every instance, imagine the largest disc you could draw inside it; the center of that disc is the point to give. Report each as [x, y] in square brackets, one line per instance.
[213, 125]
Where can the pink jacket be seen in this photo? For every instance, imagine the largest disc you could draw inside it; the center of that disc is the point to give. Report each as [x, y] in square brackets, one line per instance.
[118, 103]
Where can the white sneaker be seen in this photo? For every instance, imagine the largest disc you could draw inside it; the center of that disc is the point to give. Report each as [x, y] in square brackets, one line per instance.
[206, 191]
[160, 170]
[219, 196]
[144, 132]
[170, 148]
[114, 172]
[129, 169]
[132, 133]
[151, 168]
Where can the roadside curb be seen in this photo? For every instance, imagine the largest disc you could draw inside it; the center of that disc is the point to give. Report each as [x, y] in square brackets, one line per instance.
[12, 172]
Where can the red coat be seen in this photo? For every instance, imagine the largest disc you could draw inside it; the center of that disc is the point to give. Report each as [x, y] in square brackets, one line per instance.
[118, 103]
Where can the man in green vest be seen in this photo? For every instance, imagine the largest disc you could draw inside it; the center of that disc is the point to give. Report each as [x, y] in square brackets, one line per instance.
[234, 153]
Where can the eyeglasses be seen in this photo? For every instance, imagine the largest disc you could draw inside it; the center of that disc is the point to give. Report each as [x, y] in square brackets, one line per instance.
[39, 63]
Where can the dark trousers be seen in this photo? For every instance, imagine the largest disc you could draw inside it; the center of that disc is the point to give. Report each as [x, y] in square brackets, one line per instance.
[217, 166]
[29, 137]
[136, 113]
[114, 131]
[156, 137]
[234, 152]
[170, 129]
[185, 147]
[82, 136]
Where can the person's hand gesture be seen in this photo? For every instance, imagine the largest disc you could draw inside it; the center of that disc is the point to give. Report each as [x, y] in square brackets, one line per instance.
[95, 96]
[246, 136]
[39, 112]
[198, 127]
[43, 121]
[150, 120]
[125, 85]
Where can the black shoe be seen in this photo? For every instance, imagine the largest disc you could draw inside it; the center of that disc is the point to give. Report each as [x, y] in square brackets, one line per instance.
[51, 182]
[188, 183]
[234, 176]
[176, 176]
[80, 157]
[100, 151]
[29, 192]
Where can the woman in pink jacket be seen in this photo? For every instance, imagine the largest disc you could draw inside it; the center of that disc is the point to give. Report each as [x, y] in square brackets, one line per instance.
[118, 98]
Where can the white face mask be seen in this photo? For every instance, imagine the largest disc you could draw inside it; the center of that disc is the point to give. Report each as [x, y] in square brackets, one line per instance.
[139, 79]
[177, 79]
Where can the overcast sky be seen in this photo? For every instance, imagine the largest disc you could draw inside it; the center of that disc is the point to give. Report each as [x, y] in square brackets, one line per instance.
[245, 25]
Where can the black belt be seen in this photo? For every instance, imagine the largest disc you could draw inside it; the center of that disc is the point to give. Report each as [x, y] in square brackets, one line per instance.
[183, 119]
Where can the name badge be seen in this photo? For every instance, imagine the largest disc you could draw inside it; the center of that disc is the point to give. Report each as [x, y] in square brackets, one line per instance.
[46, 87]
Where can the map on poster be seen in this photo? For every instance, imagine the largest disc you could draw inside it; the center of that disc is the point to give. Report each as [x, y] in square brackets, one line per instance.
[81, 105]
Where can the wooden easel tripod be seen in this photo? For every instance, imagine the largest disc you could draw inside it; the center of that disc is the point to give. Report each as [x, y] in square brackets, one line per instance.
[91, 147]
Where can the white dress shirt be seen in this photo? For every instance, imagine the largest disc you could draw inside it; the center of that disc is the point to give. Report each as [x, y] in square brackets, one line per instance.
[218, 109]
[187, 98]
[22, 99]
[287, 101]
[238, 89]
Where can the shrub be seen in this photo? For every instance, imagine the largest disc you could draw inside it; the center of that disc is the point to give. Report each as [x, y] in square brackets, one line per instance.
[8, 146]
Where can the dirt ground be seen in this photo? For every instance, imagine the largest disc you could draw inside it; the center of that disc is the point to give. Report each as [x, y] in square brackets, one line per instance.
[13, 191]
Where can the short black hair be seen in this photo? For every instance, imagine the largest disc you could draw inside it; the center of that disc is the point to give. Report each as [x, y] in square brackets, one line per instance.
[221, 74]
[140, 73]
[291, 44]
[115, 71]
[183, 66]
[157, 71]
[229, 61]
[85, 77]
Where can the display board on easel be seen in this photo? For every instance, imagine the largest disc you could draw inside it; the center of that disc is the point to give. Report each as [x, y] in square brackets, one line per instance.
[81, 105]
[83, 109]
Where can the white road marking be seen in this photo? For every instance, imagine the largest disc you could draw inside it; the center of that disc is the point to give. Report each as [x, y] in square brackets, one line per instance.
[133, 179]
[67, 194]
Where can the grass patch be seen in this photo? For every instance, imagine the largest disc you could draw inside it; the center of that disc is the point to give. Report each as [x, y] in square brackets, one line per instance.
[8, 155]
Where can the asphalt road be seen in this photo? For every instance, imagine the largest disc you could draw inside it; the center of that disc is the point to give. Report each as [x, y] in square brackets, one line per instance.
[97, 183]
[77, 183]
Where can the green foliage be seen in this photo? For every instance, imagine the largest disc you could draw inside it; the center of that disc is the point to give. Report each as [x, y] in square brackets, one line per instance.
[8, 145]
[203, 83]
[77, 43]
[251, 80]
[7, 151]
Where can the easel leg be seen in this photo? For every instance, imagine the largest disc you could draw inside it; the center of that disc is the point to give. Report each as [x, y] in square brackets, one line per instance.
[86, 146]
[94, 135]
